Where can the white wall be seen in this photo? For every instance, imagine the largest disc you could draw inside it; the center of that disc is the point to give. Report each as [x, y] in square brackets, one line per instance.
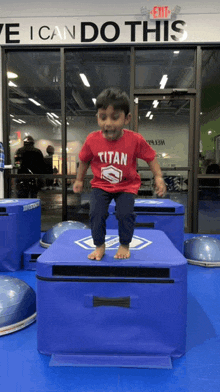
[199, 22]
[174, 132]
[45, 8]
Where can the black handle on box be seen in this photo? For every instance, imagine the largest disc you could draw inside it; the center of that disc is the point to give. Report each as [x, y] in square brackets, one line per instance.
[145, 224]
[122, 302]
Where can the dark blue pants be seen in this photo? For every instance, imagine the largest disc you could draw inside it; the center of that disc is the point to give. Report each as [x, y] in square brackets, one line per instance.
[99, 203]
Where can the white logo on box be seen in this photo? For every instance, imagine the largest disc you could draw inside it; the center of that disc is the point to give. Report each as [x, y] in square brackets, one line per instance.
[31, 206]
[112, 242]
[5, 201]
[151, 202]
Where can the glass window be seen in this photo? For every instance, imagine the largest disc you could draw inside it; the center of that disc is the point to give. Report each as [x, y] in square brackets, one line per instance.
[35, 123]
[165, 124]
[170, 68]
[88, 72]
[209, 159]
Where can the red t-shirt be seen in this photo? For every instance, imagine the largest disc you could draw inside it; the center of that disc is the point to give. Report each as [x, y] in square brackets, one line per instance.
[113, 162]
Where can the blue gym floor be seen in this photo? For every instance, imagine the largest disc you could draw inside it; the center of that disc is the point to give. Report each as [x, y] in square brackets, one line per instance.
[24, 369]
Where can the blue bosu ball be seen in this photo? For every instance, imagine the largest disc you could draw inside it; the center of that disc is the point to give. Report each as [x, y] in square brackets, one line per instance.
[17, 304]
[203, 250]
[52, 234]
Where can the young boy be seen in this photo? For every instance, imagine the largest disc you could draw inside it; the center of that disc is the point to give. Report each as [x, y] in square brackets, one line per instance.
[112, 153]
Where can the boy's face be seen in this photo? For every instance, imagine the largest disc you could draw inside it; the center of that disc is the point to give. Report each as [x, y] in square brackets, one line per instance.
[112, 121]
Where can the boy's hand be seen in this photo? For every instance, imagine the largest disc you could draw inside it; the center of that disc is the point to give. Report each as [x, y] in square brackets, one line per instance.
[160, 186]
[78, 186]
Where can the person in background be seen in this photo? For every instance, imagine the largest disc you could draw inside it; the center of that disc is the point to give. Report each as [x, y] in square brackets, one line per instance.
[48, 160]
[112, 153]
[29, 160]
[56, 171]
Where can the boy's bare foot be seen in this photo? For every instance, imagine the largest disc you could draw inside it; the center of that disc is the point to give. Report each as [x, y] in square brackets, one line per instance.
[123, 252]
[98, 253]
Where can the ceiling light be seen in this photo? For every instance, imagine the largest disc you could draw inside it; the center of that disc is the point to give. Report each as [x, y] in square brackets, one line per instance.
[94, 100]
[84, 79]
[53, 114]
[52, 121]
[163, 81]
[11, 84]
[35, 102]
[176, 52]
[17, 121]
[49, 114]
[148, 113]
[151, 116]
[155, 103]
[11, 75]
[58, 122]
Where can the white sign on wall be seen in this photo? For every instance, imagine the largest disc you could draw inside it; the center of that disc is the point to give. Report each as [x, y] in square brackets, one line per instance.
[109, 30]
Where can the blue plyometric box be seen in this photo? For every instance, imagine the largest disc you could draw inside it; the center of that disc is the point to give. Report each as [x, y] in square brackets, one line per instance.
[159, 214]
[112, 312]
[20, 227]
[30, 256]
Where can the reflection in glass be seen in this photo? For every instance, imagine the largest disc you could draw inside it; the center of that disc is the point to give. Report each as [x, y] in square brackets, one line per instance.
[101, 69]
[35, 111]
[88, 72]
[51, 208]
[165, 125]
[209, 158]
[164, 68]
[51, 205]
[210, 110]
[34, 99]
[177, 187]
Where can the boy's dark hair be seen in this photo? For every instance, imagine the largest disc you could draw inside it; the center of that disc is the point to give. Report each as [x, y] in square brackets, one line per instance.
[114, 97]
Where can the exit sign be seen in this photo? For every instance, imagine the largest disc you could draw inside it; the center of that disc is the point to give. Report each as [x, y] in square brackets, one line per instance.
[160, 13]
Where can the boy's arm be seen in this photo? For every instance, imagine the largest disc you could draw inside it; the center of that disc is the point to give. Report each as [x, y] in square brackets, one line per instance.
[160, 186]
[81, 172]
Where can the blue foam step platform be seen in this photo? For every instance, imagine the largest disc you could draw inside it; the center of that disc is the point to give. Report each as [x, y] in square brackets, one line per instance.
[20, 222]
[31, 254]
[133, 361]
[159, 214]
[114, 312]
